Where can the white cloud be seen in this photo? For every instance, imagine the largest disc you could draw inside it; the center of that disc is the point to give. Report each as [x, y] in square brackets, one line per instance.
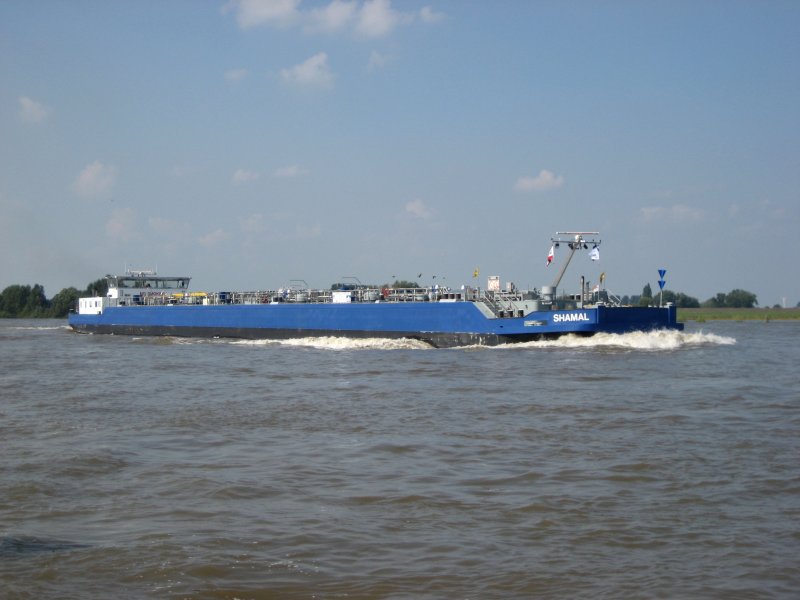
[334, 17]
[31, 111]
[96, 179]
[544, 181]
[377, 61]
[418, 209]
[428, 15]
[314, 72]
[290, 171]
[372, 18]
[242, 176]
[252, 13]
[121, 225]
[677, 213]
[235, 74]
[213, 239]
[377, 18]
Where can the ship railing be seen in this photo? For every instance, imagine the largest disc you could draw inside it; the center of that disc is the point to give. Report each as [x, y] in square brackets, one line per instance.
[280, 296]
[406, 294]
[502, 303]
[489, 300]
[498, 301]
[148, 299]
[509, 299]
[603, 297]
[615, 300]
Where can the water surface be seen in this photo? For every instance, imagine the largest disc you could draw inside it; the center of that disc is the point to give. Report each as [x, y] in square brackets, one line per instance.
[657, 465]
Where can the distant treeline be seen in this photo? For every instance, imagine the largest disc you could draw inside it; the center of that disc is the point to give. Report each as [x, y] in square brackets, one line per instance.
[734, 299]
[30, 302]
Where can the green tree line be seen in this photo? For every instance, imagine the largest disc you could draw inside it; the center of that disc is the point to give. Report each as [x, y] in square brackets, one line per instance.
[30, 302]
[734, 299]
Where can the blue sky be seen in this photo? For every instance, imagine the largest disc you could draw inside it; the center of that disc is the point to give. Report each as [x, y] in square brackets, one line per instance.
[249, 143]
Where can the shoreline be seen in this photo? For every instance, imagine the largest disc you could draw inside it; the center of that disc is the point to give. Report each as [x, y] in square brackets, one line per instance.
[738, 314]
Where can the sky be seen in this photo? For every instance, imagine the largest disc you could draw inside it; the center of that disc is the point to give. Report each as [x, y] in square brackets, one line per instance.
[249, 144]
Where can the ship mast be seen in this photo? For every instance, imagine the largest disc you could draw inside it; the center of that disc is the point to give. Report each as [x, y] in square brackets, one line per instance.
[574, 243]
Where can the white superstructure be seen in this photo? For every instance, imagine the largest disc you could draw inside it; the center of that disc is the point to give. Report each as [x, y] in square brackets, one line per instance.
[134, 288]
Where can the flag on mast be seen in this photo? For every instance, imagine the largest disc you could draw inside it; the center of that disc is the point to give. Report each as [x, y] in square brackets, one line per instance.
[594, 254]
[550, 255]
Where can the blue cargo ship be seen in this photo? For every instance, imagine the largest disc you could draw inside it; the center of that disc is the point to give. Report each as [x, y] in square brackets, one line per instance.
[143, 303]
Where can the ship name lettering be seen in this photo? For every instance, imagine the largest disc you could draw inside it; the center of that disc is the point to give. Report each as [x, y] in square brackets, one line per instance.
[570, 317]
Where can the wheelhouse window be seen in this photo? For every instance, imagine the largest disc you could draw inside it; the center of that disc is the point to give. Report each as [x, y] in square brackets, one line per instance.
[150, 283]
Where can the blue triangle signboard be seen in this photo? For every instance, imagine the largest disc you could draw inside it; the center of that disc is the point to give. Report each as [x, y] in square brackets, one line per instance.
[661, 282]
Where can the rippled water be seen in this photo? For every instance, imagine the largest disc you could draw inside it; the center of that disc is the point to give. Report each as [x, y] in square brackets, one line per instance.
[659, 465]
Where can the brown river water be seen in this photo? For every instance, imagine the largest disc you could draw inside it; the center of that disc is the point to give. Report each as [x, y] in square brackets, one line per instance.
[662, 465]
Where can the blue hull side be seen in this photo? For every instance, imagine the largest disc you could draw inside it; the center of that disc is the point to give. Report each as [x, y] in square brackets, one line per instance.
[438, 323]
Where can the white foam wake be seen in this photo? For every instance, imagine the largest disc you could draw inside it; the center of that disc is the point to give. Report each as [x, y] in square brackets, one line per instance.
[342, 343]
[636, 340]
[641, 341]
[38, 327]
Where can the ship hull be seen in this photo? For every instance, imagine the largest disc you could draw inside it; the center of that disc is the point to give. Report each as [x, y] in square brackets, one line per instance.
[439, 324]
